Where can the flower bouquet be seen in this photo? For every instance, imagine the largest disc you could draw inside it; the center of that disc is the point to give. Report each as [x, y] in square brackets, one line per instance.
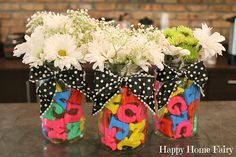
[123, 88]
[54, 51]
[182, 79]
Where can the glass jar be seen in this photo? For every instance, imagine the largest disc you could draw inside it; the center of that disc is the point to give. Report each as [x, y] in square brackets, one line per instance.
[178, 119]
[63, 121]
[123, 122]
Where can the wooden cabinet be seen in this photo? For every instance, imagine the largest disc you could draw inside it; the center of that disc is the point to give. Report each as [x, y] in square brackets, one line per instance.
[222, 81]
[14, 83]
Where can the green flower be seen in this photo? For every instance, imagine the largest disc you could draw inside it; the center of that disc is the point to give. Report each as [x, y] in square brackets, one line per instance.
[170, 32]
[190, 41]
[176, 40]
[193, 53]
[182, 36]
[185, 31]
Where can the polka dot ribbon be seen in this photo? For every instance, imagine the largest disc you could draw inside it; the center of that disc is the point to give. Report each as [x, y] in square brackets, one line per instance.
[171, 79]
[108, 85]
[72, 78]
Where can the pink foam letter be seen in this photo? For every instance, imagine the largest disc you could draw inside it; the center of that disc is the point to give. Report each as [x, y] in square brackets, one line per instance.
[188, 129]
[172, 105]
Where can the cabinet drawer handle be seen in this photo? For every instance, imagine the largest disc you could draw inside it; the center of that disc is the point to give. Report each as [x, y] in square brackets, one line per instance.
[231, 82]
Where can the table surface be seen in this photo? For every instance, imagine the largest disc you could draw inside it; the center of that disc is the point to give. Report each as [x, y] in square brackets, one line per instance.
[20, 134]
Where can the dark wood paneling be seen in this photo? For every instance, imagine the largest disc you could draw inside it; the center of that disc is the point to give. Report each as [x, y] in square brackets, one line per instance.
[218, 86]
[13, 77]
[14, 74]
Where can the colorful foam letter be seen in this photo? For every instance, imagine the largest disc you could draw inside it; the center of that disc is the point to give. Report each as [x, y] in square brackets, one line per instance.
[53, 108]
[74, 130]
[176, 119]
[162, 112]
[191, 93]
[76, 97]
[173, 108]
[133, 141]
[195, 124]
[177, 92]
[113, 104]
[58, 88]
[61, 98]
[108, 138]
[82, 124]
[121, 125]
[166, 127]
[55, 128]
[124, 109]
[142, 112]
[188, 129]
[192, 108]
[130, 113]
[137, 126]
[73, 113]
[128, 97]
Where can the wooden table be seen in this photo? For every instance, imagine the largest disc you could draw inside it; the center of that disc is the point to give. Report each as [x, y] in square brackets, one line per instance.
[20, 134]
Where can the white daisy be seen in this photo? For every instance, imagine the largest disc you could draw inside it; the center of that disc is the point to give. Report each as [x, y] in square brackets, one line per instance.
[32, 48]
[100, 51]
[173, 50]
[145, 52]
[210, 42]
[155, 55]
[63, 51]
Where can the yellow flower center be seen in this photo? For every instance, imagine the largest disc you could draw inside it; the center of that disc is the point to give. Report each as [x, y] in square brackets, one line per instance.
[61, 53]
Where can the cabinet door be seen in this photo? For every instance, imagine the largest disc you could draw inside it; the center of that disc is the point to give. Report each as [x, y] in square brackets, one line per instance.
[221, 84]
[14, 88]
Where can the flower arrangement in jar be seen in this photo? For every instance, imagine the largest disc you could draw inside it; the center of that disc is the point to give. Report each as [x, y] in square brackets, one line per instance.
[123, 87]
[181, 81]
[54, 52]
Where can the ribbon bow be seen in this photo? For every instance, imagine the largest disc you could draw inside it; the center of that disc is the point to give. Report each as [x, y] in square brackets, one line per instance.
[108, 84]
[72, 78]
[171, 79]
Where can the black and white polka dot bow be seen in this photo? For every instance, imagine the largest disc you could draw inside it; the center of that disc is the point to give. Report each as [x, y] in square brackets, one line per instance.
[72, 78]
[171, 79]
[107, 84]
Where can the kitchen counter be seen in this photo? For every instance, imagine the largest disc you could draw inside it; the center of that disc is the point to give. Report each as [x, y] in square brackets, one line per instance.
[20, 134]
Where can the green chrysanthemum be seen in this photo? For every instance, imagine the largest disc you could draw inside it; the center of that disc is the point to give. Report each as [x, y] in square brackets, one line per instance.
[185, 30]
[193, 55]
[182, 36]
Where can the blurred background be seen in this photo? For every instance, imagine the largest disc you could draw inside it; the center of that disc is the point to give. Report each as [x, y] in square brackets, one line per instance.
[218, 14]
[14, 13]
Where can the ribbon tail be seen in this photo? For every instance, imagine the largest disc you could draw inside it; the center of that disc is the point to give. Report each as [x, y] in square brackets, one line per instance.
[142, 85]
[164, 93]
[107, 85]
[88, 92]
[149, 102]
[46, 92]
[102, 98]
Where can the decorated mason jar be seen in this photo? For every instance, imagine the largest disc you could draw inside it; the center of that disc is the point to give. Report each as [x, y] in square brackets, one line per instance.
[123, 104]
[54, 49]
[177, 98]
[61, 103]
